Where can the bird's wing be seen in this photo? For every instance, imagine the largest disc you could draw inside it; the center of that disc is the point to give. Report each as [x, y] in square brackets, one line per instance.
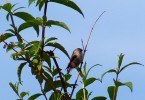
[68, 68]
[73, 57]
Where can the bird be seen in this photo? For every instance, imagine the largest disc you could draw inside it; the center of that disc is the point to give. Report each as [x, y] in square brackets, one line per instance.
[75, 60]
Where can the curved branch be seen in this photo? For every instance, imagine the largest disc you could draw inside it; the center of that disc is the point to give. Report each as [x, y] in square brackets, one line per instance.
[85, 48]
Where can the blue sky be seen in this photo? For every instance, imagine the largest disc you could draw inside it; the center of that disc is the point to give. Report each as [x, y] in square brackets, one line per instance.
[120, 30]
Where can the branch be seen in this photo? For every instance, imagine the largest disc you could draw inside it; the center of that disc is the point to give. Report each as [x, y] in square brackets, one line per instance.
[33, 68]
[85, 48]
[43, 33]
[74, 86]
[60, 75]
[16, 31]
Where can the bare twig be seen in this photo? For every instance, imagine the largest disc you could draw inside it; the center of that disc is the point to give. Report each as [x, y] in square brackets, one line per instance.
[82, 44]
[44, 94]
[84, 49]
[92, 30]
[74, 86]
[53, 49]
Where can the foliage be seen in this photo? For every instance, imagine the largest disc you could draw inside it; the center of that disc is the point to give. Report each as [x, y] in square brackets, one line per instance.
[112, 90]
[33, 54]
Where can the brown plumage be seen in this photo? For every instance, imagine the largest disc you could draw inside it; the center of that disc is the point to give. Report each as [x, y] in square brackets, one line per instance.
[75, 59]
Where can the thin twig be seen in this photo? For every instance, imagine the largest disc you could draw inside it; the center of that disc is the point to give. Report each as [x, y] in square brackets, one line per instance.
[74, 86]
[53, 49]
[14, 26]
[82, 44]
[92, 29]
[85, 52]
[43, 92]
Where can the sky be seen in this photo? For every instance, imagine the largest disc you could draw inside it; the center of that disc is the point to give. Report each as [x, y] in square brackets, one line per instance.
[120, 30]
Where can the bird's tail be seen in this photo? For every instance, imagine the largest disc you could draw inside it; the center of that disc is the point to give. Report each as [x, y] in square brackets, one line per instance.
[68, 69]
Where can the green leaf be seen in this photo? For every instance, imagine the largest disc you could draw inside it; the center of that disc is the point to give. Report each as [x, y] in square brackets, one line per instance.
[1, 7]
[68, 3]
[31, 1]
[89, 81]
[34, 96]
[132, 63]
[49, 23]
[10, 30]
[90, 93]
[80, 94]
[46, 58]
[36, 27]
[10, 46]
[22, 94]
[109, 71]
[120, 60]
[20, 45]
[128, 84]
[38, 2]
[99, 98]
[29, 45]
[48, 69]
[91, 68]
[23, 15]
[7, 16]
[39, 20]
[19, 71]
[24, 26]
[20, 53]
[52, 97]
[39, 77]
[83, 72]
[50, 39]
[14, 88]
[47, 88]
[56, 96]
[7, 7]
[57, 83]
[41, 4]
[55, 72]
[31, 23]
[111, 92]
[36, 47]
[5, 36]
[67, 77]
[18, 9]
[58, 46]
[48, 76]
[14, 5]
